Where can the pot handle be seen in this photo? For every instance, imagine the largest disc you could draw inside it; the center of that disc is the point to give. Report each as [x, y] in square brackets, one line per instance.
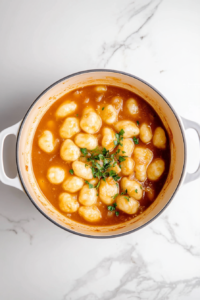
[3, 177]
[191, 124]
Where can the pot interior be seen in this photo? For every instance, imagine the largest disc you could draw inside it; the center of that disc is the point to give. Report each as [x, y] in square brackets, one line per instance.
[54, 92]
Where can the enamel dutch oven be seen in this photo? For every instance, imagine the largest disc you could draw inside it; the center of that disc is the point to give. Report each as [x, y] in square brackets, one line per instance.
[25, 130]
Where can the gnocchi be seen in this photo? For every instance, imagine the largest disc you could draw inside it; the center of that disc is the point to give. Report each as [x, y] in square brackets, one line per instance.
[145, 133]
[85, 140]
[134, 189]
[69, 128]
[159, 138]
[69, 151]
[68, 203]
[108, 139]
[56, 175]
[117, 102]
[129, 206]
[142, 157]
[129, 127]
[127, 166]
[109, 114]
[132, 106]
[156, 169]
[90, 122]
[88, 196]
[65, 109]
[46, 141]
[90, 213]
[73, 184]
[127, 147]
[81, 170]
[107, 190]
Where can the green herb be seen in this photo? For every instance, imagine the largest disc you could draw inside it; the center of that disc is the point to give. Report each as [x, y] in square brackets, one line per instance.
[124, 193]
[71, 171]
[136, 190]
[115, 143]
[122, 158]
[141, 187]
[138, 123]
[117, 213]
[103, 108]
[119, 137]
[123, 151]
[115, 204]
[90, 185]
[136, 141]
[111, 208]
[76, 115]
[97, 194]
[115, 196]
[127, 198]
[84, 151]
[97, 186]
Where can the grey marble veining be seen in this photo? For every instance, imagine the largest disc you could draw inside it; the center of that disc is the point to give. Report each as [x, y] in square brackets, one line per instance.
[42, 41]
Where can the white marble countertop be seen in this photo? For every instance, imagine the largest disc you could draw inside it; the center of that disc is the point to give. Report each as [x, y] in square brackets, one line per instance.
[43, 41]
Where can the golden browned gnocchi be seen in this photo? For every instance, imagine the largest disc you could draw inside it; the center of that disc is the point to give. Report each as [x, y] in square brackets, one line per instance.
[132, 106]
[68, 203]
[69, 151]
[129, 127]
[107, 190]
[101, 155]
[46, 141]
[65, 109]
[108, 138]
[56, 175]
[159, 138]
[73, 184]
[90, 122]
[109, 114]
[156, 169]
[127, 166]
[69, 128]
[132, 188]
[90, 213]
[127, 204]
[145, 133]
[82, 170]
[85, 140]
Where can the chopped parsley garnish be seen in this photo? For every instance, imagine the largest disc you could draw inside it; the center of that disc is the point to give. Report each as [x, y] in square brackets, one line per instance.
[137, 123]
[141, 187]
[123, 152]
[103, 108]
[112, 207]
[136, 190]
[91, 186]
[71, 171]
[76, 115]
[124, 193]
[115, 196]
[117, 213]
[97, 194]
[119, 137]
[84, 151]
[127, 198]
[136, 141]
[122, 158]
[97, 186]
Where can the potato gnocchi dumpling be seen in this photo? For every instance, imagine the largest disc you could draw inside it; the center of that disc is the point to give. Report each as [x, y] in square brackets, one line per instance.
[46, 141]
[85, 140]
[68, 203]
[142, 157]
[145, 133]
[90, 213]
[156, 169]
[127, 147]
[132, 106]
[129, 127]
[129, 206]
[101, 155]
[109, 114]
[127, 166]
[90, 122]
[88, 196]
[108, 138]
[107, 190]
[73, 184]
[69, 151]
[65, 109]
[56, 175]
[69, 128]
[159, 138]
[134, 188]
[80, 169]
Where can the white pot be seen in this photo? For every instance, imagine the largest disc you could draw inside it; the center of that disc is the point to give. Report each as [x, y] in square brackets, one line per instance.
[25, 130]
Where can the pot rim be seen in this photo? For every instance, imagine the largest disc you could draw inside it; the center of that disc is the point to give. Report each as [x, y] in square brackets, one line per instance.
[109, 71]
